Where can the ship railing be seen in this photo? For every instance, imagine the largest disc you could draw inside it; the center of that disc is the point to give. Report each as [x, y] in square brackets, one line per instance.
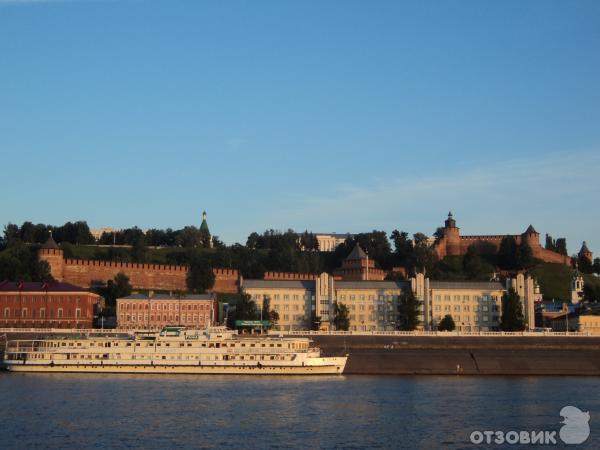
[261, 350]
[442, 333]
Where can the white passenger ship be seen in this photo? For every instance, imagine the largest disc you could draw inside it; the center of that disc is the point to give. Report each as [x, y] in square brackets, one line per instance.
[173, 350]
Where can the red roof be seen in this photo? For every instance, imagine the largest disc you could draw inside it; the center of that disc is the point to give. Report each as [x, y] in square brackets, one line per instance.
[38, 286]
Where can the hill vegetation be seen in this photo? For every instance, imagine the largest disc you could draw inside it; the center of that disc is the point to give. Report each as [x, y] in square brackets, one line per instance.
[280, 252]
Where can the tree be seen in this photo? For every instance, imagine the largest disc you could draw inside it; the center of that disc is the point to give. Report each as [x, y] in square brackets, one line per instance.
[139, 249]
[507, 254]
[550, 243]
[341, 316]
[118, 287]
[424, 257]
[403, 247]
[472, 263]
[524, 257]
[245, 309]
[512, 312]
[200, 277]
[596, 266]
[269, 314]
[121, 286]
[447, 323]
[409, 310]
[561, 246]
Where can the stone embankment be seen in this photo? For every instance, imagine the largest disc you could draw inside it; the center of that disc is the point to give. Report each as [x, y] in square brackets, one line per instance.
[478, 355]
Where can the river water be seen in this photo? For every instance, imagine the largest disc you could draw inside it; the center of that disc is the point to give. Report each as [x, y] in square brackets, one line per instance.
[79, 411]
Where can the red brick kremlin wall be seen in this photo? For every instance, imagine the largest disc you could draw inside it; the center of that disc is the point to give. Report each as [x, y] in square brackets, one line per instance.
[141, 276]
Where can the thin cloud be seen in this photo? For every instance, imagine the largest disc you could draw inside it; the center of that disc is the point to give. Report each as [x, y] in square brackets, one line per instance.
[498, 195]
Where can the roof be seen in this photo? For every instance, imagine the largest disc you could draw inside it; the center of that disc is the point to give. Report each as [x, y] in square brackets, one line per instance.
[38, 286]
[204, 224]
[531, 230]
[480, 285]
[50, 243]
[168, 297]
[371, 284]
[274, 284]
[584, 248]
[357, 253]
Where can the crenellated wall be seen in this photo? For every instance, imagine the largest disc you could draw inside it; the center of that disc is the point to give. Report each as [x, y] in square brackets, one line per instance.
[289, 276]
[141, 276]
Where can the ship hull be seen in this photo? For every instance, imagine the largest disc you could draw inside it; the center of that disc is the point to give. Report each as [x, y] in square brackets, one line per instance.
[327, 366]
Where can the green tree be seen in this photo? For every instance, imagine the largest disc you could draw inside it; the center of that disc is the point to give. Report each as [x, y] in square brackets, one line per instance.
[524, 257]
[472, 263]
[341, 317]
[269, 314]
[200, 277]
[424, 257]
[245, 309]
[409, 310]
[507, 254]
[447, 323]
[596, 266]
[403, 247]
[139, 249]
[561, 246]
[550, 243]
[121, 285]
[512, 312]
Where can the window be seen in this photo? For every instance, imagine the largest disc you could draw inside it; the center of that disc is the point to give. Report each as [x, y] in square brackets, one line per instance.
[286, 297]
[42, 313]
[24, 313]
[60, 313]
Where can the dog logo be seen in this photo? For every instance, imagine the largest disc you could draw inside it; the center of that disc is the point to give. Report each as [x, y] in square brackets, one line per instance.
[576, 428]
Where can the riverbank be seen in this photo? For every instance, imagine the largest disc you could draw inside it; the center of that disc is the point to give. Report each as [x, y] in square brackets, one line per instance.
[437, 355]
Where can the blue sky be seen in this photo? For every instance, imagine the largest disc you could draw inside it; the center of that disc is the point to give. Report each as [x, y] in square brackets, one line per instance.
[320, 115]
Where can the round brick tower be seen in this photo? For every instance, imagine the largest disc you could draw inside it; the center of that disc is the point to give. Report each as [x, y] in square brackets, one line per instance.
[452, 236]
[54, 256]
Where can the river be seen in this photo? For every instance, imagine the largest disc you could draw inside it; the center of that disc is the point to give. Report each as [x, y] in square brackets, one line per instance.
[80, 411]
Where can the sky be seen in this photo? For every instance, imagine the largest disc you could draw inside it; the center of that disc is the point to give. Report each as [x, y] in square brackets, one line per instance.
[330, 116]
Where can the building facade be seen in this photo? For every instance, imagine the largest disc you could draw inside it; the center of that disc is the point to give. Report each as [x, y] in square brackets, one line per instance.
[373, 304]
[143, 312]
[473, 305]
[328, 242]
[46, 305]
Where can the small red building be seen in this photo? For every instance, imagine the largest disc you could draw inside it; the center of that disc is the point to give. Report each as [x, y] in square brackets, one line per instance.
[46, 305]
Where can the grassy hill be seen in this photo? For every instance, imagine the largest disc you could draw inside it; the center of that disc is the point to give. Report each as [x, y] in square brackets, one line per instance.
[554, 280]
